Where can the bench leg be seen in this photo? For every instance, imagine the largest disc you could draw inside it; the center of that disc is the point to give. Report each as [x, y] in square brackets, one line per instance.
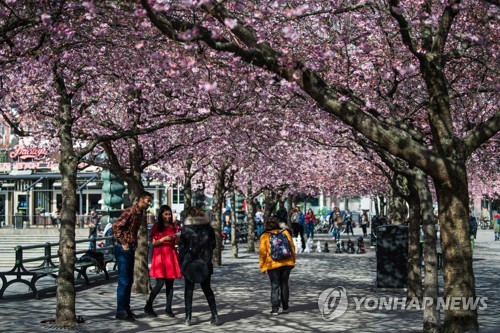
[6, 283]
[105, 270]
[83, 272]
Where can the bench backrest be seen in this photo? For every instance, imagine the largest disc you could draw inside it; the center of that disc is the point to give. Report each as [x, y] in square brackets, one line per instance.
[48, 255]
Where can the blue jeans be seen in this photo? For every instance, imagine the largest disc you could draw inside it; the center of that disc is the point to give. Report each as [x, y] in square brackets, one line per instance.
[91, 243]
[310, 230]
[336, 233]
[125, 262]
[259, 230]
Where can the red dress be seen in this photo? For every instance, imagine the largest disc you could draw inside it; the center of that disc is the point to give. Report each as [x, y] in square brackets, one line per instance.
[164, 262]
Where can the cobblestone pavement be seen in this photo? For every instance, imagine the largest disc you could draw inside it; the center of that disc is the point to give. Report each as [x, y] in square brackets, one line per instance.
[243, 298]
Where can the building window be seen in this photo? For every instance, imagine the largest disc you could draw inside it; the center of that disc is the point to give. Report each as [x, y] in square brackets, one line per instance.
[177, 195]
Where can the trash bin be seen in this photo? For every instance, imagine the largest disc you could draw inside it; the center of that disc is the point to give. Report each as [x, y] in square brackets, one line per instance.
[18, 220]
[392, 256]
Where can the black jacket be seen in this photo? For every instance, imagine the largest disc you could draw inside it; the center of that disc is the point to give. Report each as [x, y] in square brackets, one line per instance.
[198, 239]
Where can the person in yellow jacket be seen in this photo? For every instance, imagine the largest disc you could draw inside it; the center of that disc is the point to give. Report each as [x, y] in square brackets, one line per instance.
[278, 270]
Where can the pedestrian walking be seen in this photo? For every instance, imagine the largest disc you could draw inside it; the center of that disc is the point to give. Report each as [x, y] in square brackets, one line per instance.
[259, 221]
[278, 270]
[92, 235]
[348, 222]
[125, 231]
[195, 252]
[496, 226]
[336, 222]
[164, 261]
[294, 221]
[364, 222]
[301, 227]
[310, 222]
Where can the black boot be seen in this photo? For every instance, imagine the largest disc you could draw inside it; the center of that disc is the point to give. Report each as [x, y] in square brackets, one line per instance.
[213, 309]
[187, 321]
[168, 309]
[215, 318]
[148, 309]
[169, 313]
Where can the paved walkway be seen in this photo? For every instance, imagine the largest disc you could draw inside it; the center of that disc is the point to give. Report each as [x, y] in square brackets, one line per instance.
[242, 295]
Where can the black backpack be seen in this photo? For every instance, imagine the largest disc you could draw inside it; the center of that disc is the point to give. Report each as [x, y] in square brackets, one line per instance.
[92, 256]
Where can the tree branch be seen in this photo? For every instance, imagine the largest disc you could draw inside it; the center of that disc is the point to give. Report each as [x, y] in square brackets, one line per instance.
[481, 133]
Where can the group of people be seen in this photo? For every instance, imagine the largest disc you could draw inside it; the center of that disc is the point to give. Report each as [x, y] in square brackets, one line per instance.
[192, 258]
[473, 226]
[187, 252]
[303, 223]
[342, 222]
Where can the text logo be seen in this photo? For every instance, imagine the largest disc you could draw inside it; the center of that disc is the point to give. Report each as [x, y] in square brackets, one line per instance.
[333, 303]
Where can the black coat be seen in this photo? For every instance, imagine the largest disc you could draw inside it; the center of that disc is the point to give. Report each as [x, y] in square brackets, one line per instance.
[198, 239]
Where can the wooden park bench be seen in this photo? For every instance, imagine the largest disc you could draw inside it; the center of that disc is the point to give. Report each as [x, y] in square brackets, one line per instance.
[30, 275]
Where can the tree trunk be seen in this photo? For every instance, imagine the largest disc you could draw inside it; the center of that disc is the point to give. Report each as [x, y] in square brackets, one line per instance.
[397, 210]
[250, 219]
[431, 286]
[294, 201]
[270, 202]
[377, 209]
[234, 234]
[383, 205]
[217, 209]
[289, 201]
[188, 191]
[459, 280]
[65, 292]
[414, 259]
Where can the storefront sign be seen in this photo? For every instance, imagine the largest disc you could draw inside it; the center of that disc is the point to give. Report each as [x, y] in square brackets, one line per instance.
[27, 166]
[30, 152]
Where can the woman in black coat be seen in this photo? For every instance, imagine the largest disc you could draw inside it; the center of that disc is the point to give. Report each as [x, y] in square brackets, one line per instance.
[197, 241]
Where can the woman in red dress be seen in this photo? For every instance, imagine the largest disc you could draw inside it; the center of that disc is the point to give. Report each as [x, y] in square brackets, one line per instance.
[164, 263]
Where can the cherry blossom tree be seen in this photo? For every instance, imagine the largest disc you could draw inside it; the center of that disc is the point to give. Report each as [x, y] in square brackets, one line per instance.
[395, 71]
[63, 90]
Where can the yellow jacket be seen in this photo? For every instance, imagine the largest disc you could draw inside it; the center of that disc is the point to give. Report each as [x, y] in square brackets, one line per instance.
[266, 262]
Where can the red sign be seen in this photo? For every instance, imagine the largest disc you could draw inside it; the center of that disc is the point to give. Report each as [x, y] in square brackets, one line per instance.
[24, 153]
